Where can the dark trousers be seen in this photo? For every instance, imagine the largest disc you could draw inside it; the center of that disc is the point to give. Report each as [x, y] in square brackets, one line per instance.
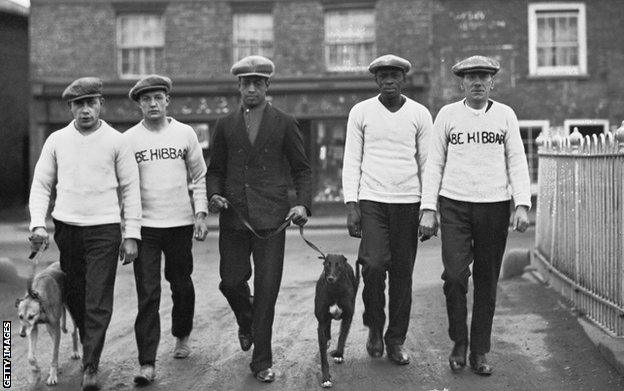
[388, 245]
[472, 232]
[255, 315]
[89, 259]
[176, 244]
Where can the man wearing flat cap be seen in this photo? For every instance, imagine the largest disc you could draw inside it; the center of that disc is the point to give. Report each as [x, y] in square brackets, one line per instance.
[252, 150]
[170, 163]
[476, 165]
[385, 152]
[87, 163]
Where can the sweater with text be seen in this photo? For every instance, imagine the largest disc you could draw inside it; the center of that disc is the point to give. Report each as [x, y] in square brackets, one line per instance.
[170, 164]
[476, 157]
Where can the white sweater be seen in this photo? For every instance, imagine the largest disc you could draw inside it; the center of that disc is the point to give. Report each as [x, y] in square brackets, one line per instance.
[87, 171]
[170, 164]
[385, 152]
[476, 157]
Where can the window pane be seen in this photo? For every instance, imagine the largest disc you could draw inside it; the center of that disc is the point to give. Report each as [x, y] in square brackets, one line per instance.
[349, 39]
[557, 38]
[141, 39]
[253, 34]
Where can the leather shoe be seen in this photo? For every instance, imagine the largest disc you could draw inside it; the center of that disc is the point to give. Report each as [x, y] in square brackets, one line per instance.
[479, 364]
[145, 376]
[266, 375]
[457, 359]
[374, 345]
[246, 339]
[397, 355]
[89, 380]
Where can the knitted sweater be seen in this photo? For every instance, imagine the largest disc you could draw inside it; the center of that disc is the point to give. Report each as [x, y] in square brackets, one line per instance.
[476, 157]
[87, 171]
[385, 152]
[170, 164]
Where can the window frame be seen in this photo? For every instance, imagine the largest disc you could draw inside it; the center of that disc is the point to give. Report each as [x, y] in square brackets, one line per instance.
[235, 47]
[341, 68]
[120, 47]
[561, 70]
[545, 126]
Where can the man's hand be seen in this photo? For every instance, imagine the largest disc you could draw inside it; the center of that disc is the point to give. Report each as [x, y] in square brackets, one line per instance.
[39, 239]
[201, 226]
[428, 224]
[521, 218]
[128, 251]
[354, 219]
[217, 203]
[298, 214]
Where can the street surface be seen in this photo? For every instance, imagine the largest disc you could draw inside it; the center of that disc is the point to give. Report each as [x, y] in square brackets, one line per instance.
[537, 343]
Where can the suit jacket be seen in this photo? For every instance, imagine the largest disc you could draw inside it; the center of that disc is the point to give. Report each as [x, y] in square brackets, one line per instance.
[254, 178]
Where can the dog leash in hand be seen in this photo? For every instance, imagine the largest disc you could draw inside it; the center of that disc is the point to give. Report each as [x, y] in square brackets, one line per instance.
[309, 243]
[246, 223]
[35, 256]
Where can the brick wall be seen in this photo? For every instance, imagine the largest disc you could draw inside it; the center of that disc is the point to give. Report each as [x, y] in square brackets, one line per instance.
[500, 28]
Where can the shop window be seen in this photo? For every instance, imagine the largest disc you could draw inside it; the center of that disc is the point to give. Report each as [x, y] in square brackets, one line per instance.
[349, 39]
[557, 39]
[253, 34]
[529, 130]
[329, 141]
[140, 44]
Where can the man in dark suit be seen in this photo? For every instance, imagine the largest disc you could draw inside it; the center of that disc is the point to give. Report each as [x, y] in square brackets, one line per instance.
[251, 152]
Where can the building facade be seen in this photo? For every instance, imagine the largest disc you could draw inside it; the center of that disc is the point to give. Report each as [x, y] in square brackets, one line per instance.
[559, 60]
[14, 98]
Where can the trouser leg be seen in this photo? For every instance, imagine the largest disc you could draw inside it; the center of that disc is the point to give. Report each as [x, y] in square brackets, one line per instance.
[235, 271]
[491, 224]
[374, 255]
[403, 245]
[101, 245]
[456, 235]
[68, 238]
[177, 247]
[268, 256]
[147, 279]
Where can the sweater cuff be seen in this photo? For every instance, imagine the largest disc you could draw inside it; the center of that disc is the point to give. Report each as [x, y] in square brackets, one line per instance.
[132, 232]
[428, 206]
[36, 223]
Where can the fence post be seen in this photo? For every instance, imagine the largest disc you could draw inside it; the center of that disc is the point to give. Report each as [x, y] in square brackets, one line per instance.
[575, 139]
[619, 138]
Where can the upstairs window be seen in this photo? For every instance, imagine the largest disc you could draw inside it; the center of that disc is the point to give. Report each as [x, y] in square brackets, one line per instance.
[253, 34]
[349, 39]
[140, 44]
[557, 39]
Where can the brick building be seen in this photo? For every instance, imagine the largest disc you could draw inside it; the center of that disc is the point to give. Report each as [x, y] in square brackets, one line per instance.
[14, 98]
[559, 60]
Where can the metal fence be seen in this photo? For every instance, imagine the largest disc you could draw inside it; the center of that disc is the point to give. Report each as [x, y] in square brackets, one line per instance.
[580, 223]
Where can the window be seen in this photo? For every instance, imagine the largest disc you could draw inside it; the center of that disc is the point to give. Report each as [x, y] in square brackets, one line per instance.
[529, 130]
[586, 127]
[328, 142]
[140, 43]
[253, 34]
[349, 39]
[557, 39]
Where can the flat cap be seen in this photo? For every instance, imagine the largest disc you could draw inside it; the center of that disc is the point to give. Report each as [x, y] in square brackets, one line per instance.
[150, 83]
[391, 61]
[253, 66]
[85, 87]
[476, 64]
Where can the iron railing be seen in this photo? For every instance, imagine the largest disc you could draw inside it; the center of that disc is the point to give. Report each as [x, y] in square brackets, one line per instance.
[579, 234]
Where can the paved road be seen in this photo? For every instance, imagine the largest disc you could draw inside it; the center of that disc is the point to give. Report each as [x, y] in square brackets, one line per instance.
[537, 343]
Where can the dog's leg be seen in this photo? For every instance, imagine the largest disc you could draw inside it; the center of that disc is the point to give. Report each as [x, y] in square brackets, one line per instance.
[32, 348]
[63, 320]
[322, 341]
[55, 334]
[345, 326]
[76, 353]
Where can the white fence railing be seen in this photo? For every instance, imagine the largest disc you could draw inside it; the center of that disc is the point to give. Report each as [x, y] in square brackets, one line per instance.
[580, 222]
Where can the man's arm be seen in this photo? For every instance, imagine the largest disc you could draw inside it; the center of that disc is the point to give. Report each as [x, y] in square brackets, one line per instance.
[352, 171]
[422, 142]
[44, 180]
[300, 170]
[196, 168]
[436, 160]
[518, 173]
[216, 172]
[129, 185]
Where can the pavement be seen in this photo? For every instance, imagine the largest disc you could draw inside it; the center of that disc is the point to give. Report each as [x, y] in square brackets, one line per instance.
[14, 228]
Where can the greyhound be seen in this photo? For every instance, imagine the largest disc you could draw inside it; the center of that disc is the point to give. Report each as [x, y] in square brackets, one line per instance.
[43, 303]
[335, 299]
